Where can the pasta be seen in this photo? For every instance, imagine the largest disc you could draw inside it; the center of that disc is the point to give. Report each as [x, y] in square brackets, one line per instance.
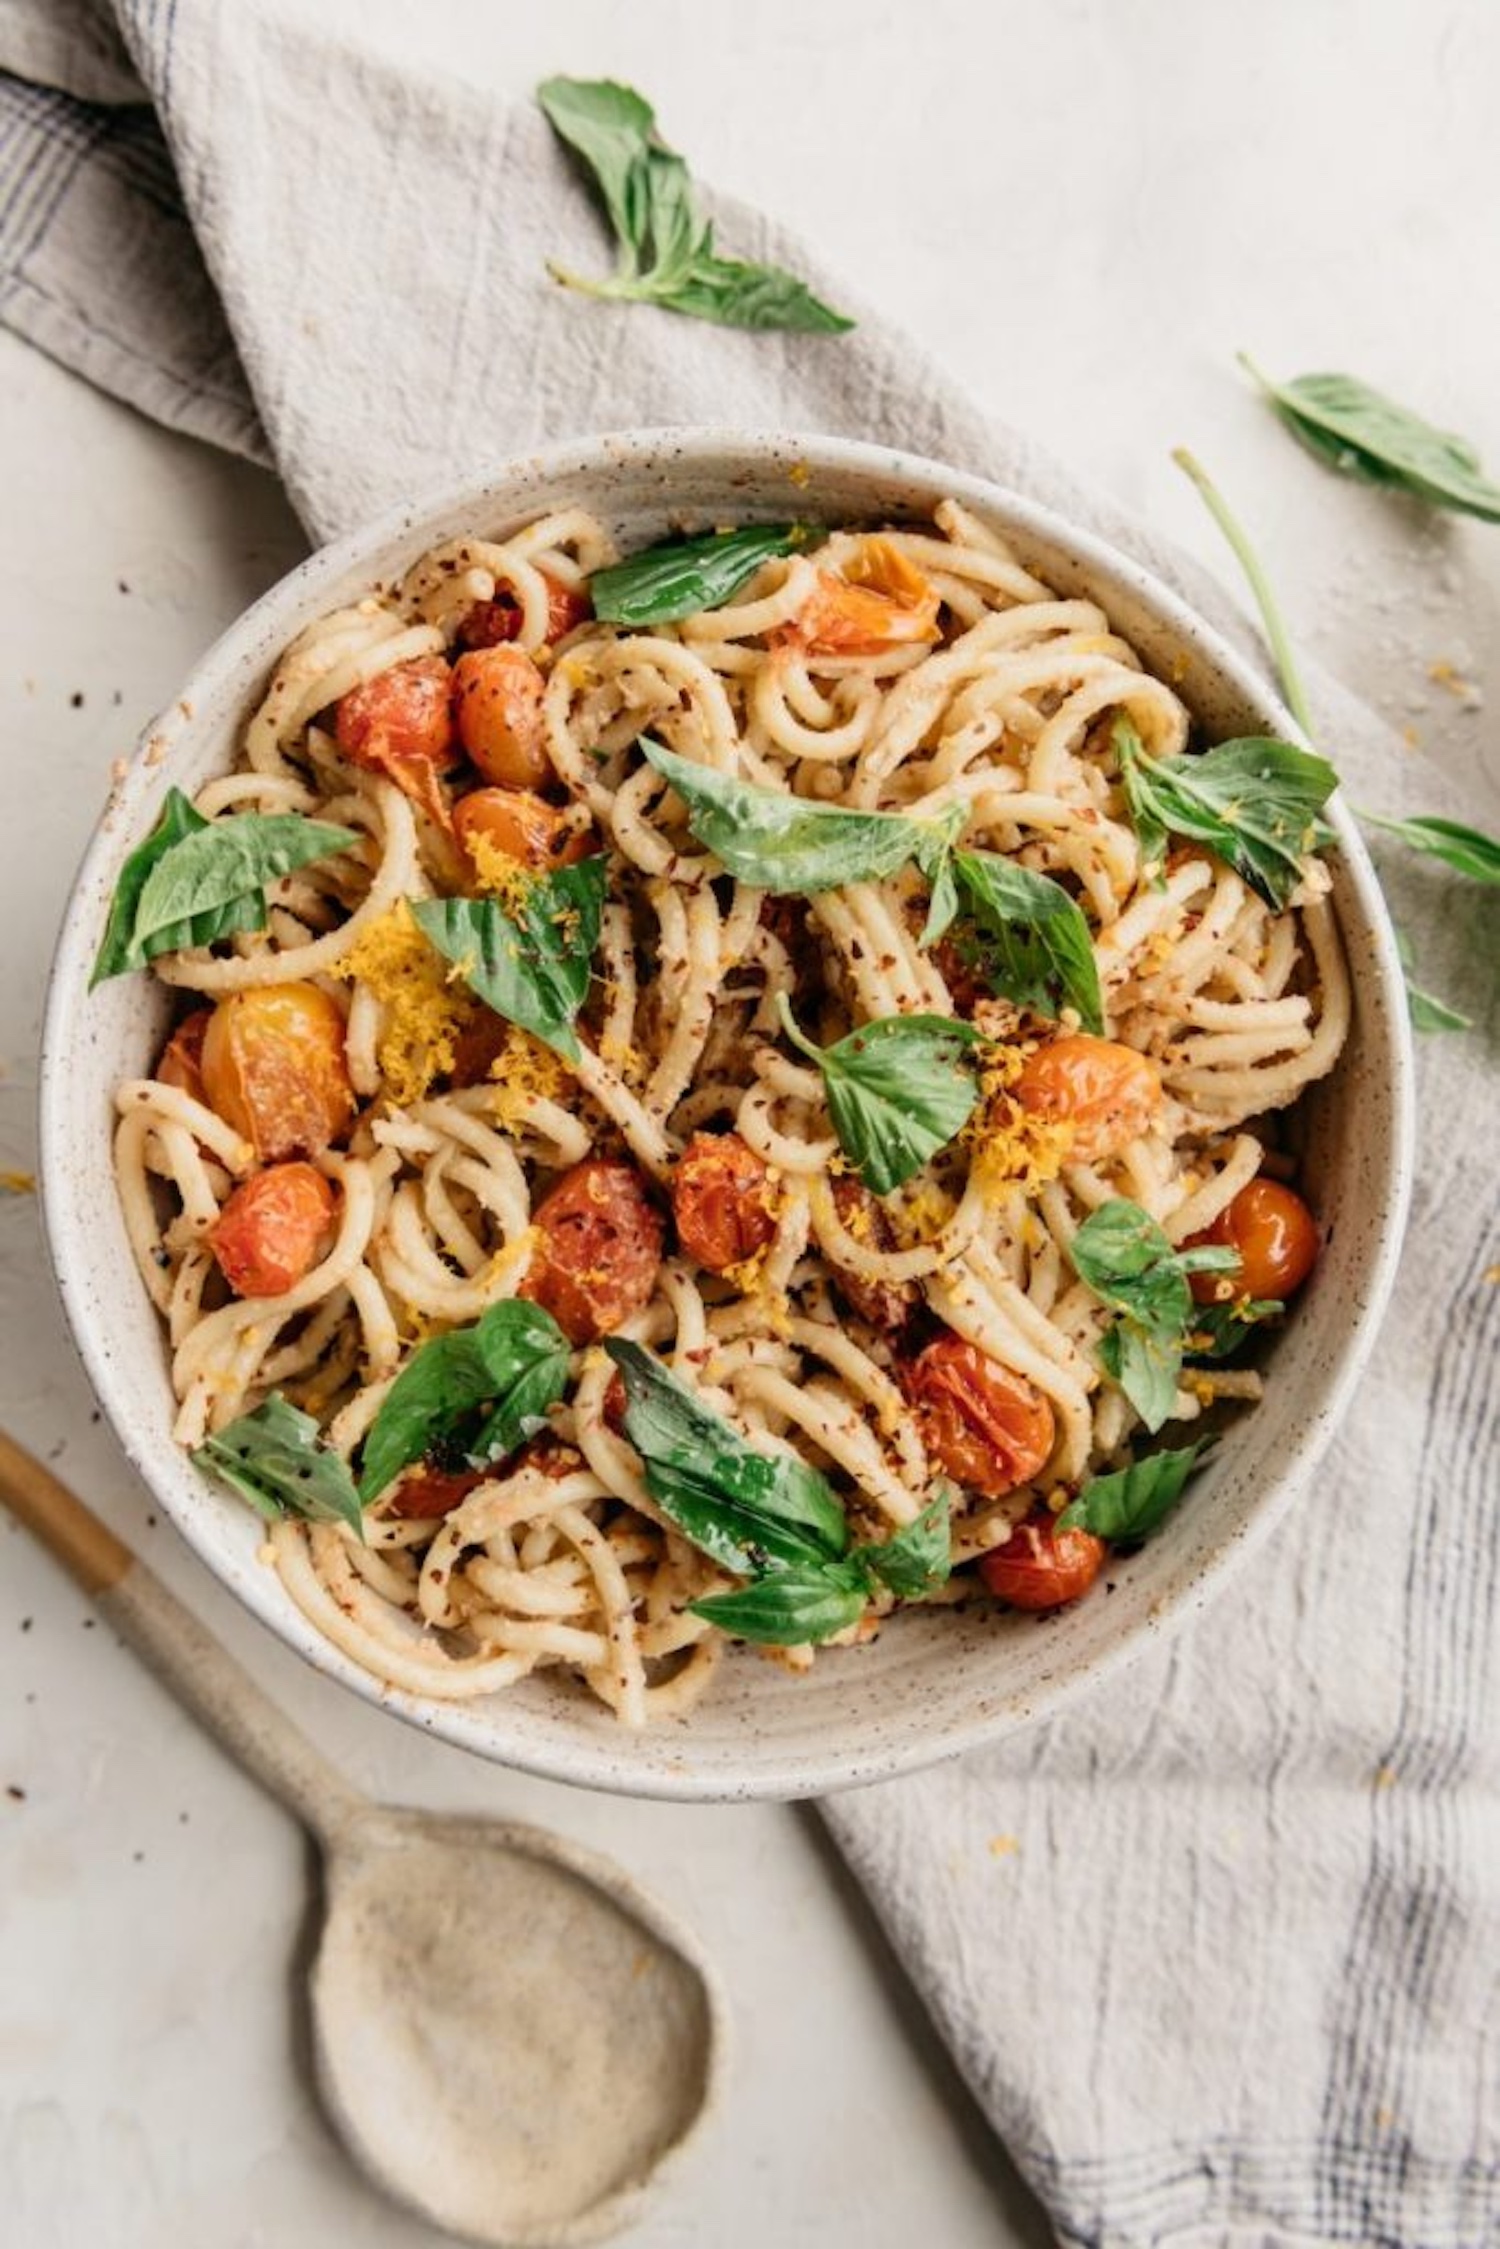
[932, 1343]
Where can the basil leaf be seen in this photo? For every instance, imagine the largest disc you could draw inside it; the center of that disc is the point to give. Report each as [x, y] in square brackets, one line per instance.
[682, 576]
[513, 1361]
[791, 1607]
[531, 966]
[275, 1458]
[915, 1559]
[740, 1505]
[897, 1090]
[1030, 940]
[1146, 1364]
[665, 244]
[1217, 1330]
[1128, 1262]
[1427, 1011]
[1467, 849]
[1360, 432]
[1132, 1502]
[1254, 802]
[784, 843]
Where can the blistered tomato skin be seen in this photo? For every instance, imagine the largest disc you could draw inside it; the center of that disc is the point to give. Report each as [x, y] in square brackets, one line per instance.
[401, 724]
[520, 824]
[721, 1200]
[181, 1064]
[489, 624]
[987, 1427]
[887, 1305]
[497, 703]
[424, 1495]
[274, 1067]
[1107, 1092]
[1275, 1237]
[598, 1252]
[1041, 1567]
[269, 1233]
[881, 601]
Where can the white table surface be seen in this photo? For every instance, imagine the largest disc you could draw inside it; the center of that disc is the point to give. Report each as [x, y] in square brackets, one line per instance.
[1085, 208]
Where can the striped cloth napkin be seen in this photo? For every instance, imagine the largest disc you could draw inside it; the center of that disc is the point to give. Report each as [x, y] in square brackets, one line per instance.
[1218, 1953]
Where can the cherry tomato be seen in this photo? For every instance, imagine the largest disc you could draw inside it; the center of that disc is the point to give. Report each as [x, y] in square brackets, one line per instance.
[1273, 1233]
[401, 724]
[480, 1043]
[274, 1068]
[267, 1235]
[887, 1305]
[424, 1494]
[1109, 1093]
[612, 1409]
[988, 1427]
[600, 1249]
[523, 826]
[497, 703]
[1041, 1567]
[881, 601]
[489, 623]
[181, 1063]
[721, 1200]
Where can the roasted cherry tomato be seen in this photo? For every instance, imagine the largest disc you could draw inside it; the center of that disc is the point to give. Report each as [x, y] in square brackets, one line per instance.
[1107, 1092]
[267, 1236]
[722, 1200]
[887, 1305]
[274, 1068]
[478, 1045]
[181, 1063]
[1275, 1237]
[1041, 1567]
[524, 826]
[401, 724]
[497, 703]
[988, 1427]
[600, 1249]
[880, 601]
[425, 1494]
[489, 623]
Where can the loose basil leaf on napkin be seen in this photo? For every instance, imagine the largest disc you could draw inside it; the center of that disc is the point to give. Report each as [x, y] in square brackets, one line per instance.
[682, 576]
[1468, 850]
[1361, 433]
[789, 844]
[532, 965]
[1128, 1262]
[275, 1458]
[666, 245]
[897, 1090]
[1131, 1503]
[1428, 1012]
[478, 1391]
[1024, 934]
[790, 1607]
[194, 880]
[1254, 802]
[915, 1559]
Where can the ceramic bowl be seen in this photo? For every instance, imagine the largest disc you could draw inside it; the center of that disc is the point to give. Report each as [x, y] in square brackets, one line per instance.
[932, 1685]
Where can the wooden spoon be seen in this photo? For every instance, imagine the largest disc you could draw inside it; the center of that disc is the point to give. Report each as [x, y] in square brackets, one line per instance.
[510, 2038]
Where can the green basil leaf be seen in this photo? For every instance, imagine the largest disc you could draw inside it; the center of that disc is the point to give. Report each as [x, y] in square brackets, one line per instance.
[276, 1459]
[512, 1363]
[1216, 1331]
[916, 1559]
[532, 966]
[1428, 1013]
[1254, 802]
[897, 1090]
[740, 1505]
[1128, 1262]
[1468, 850]
[1362, 433]
[1146, 1364]
[1132, 1502]
[784, 843]
[791, 1607]
[682, 576]
[666, 253]
[1027, 937]
[117, 952]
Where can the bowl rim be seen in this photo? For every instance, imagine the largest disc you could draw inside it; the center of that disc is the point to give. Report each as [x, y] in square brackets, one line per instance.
[577, 1759]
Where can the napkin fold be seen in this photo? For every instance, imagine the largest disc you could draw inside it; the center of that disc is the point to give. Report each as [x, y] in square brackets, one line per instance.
[1218, 1951]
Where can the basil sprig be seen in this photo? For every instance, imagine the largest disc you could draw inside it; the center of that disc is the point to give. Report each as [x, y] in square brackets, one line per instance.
[665, 244]
[771, 1518]
[194, 880]
[1467, 850]
[897, 1090]
[682, 576]
[1361, 433]
[275, 1458]
[1255, 802]
[1021, 931]
[475, 1393]
[1128, 1262]
[530, 963]
[1130, 1503]
[1426, 1010]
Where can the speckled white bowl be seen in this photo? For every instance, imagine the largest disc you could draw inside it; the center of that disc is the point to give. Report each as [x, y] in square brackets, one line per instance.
[932, 1685]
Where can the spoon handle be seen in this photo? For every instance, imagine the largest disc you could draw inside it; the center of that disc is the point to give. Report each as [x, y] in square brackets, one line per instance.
[203, 1676]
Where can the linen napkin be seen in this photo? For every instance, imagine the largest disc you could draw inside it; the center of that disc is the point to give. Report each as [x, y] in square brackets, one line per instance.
[1218, 1952]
